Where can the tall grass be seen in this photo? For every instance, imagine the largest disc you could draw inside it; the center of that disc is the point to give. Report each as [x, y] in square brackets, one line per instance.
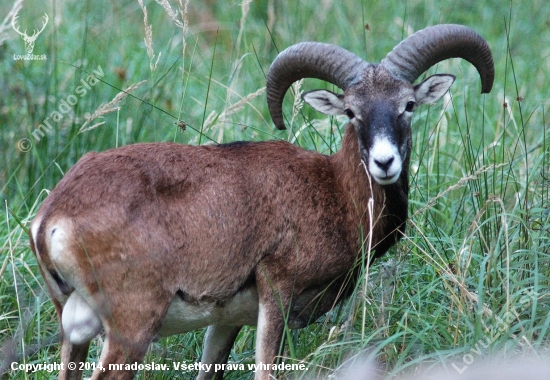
[470, 279]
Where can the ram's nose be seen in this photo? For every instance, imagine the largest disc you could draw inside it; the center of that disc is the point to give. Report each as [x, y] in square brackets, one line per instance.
[385, 163]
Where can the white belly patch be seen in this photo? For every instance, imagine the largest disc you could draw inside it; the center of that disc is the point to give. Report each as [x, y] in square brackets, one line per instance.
[184, 316]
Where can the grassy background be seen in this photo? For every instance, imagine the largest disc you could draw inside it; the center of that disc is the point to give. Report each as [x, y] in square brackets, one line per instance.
[471, 278]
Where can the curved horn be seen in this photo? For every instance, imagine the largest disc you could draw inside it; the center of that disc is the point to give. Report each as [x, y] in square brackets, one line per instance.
[423, 49]
[309, 60]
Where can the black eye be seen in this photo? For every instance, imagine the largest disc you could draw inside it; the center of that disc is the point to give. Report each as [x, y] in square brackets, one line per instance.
[410, 106]
[349, 113]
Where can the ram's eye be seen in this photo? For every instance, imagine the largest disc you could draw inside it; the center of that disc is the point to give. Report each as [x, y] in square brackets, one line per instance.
[349, 113]
[410, 106]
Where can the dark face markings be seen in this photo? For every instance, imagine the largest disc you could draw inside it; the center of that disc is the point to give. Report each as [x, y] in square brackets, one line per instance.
[382, 121]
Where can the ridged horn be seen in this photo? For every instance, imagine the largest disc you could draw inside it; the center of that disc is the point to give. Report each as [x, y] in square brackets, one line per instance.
[309, 60]
[423, 49]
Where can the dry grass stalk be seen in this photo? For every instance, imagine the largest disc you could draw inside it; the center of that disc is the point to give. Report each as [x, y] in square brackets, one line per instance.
[298, 102]
[171, 12]
[179, 17]
[149, 38]
[245, 8]
[108, 107]
[216, 119]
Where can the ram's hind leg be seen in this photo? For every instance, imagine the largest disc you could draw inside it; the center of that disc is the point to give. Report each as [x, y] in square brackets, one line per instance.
[131, 322]
[72, 353]
[216, 349]
[119, 352]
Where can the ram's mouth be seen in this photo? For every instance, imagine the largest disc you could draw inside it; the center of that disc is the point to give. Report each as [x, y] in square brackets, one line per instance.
[387, 180]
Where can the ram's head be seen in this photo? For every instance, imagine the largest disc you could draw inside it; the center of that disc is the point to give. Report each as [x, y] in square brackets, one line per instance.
[379, 99]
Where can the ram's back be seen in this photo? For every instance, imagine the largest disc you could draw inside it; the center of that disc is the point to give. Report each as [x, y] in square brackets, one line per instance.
[187, 210]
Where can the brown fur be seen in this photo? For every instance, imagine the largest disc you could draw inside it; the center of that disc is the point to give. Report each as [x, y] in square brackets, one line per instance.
[151, 220]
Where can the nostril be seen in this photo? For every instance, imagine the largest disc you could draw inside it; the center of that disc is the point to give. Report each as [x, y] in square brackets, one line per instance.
[384, 164]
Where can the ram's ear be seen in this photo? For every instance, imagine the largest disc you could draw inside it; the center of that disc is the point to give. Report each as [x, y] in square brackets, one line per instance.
[433, 88]
[325, 101]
